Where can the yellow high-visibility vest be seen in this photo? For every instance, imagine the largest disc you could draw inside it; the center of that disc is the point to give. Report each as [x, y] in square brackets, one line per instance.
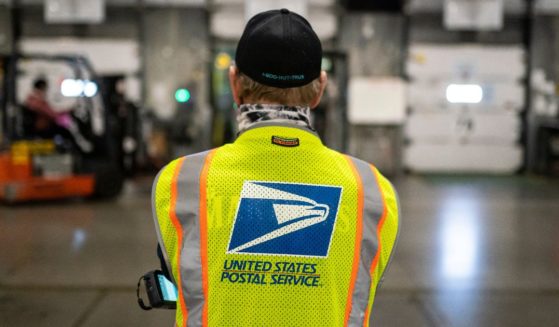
[274, 229]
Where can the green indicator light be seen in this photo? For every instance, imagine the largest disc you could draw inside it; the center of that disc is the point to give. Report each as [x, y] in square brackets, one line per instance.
[182, 95]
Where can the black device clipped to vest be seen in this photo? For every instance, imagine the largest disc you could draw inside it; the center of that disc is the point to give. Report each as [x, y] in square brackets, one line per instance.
[162, 293]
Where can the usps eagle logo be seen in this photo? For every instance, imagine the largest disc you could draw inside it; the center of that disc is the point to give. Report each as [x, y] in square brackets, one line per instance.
[285, 219]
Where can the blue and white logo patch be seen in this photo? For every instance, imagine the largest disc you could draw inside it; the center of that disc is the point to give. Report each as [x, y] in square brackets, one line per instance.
[285, 219]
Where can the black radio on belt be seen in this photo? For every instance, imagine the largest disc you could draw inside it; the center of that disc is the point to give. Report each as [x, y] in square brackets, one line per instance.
[162, 293]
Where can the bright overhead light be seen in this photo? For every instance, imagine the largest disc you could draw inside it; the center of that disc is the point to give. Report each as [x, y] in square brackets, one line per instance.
[90, 89]
[71, 87]
[464, 93]
[77, 88]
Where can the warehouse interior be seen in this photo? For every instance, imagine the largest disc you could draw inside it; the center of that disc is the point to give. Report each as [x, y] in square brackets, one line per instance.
[455, 101]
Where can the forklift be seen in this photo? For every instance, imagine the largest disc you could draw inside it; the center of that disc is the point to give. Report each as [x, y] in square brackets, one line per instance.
[82, 163]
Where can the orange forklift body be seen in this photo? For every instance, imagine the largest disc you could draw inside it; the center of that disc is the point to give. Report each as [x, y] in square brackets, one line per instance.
[17, 182]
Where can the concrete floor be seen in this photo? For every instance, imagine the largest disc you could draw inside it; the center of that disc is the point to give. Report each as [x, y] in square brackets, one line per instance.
[474, 251]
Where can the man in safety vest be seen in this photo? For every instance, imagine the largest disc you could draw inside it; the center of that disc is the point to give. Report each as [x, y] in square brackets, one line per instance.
[275, 229]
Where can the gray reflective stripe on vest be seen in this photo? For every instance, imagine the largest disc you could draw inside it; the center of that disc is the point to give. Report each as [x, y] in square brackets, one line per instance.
[373, 207]
[187, 210]
[159, 236]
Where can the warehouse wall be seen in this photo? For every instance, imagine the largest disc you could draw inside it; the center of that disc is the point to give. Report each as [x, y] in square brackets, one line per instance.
[428, 28]
[119, 23]
[545, 38]
[555, 43]
[545, 45]
[373, 42]
[5, 30]
[175, 43]
[375, 47]
[176, 50]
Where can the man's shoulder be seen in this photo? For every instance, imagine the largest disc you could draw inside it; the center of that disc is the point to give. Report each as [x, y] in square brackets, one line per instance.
[201, 154]
[365, 166]
[357, 160]
[173, 164]
[358, 163]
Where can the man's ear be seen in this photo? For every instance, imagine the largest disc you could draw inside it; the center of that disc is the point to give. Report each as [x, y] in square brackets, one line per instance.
[234, 83]
[323, 81]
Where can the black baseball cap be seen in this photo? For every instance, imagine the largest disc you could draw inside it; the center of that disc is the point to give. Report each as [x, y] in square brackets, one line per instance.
[279, 48]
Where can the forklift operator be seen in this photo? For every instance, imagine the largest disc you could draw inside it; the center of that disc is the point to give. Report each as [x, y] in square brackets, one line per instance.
[41, 120]
[41, 117]
[275, 229]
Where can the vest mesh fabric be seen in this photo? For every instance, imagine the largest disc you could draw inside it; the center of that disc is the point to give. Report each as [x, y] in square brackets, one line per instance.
[274, 298]
[253, 157]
